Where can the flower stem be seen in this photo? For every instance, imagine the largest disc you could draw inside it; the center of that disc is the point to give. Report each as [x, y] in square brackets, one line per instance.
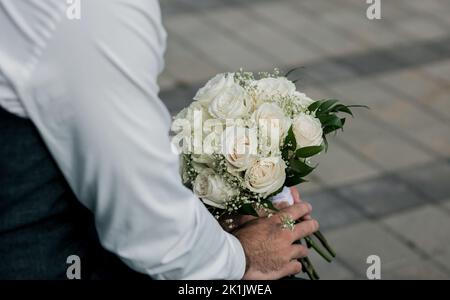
[308, 268]
[324, 243]
[310, 242]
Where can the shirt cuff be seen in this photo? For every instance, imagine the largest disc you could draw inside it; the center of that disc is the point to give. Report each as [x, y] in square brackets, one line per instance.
[240, 262]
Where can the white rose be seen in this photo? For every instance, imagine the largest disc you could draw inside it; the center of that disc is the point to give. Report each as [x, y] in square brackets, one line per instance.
[212, 189]
[214, 87]
[268, 88]
[224, 98]
[307, 130]
[239, 148]
[231, 103]
[266, 176]
[303, 100]
[271, 119]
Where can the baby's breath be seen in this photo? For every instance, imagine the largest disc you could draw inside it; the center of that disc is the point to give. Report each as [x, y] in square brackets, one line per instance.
[274, 74]
[243, 78]
[189, 173]
[290, 105]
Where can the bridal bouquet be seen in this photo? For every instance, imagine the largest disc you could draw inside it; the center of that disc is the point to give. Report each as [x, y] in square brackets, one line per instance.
[246, 138]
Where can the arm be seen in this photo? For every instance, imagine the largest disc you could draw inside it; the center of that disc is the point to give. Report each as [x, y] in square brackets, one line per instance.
[93, 97]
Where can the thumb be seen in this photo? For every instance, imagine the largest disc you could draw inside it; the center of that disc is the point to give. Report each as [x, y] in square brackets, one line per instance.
[295, 194]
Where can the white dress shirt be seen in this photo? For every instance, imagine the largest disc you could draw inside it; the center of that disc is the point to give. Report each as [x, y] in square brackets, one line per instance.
[90, 87]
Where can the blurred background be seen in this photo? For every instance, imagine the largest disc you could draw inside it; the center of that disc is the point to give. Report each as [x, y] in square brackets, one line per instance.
[384, 186]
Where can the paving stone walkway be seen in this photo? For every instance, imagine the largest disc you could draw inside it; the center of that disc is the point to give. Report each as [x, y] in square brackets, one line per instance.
[384, 186]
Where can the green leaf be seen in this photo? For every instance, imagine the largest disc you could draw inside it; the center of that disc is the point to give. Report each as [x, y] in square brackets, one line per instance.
[285, 154]
[326, 105]
[308, 151]
[290, 72]
[342, 108]
[248, 209]
[330, 129]
[300, 168]
[324, 119]
[289, 142]
[333, 121]
[325, 143]
[289, 146]
[358, 106]
[270, 204]
[293, 179]
[333, 125]
[314, 106]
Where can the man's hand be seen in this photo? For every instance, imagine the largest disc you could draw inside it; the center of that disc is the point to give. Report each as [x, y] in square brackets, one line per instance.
[231, 222]
[269, 249]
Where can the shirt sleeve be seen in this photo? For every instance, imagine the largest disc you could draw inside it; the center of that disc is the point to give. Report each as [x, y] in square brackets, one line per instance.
[93, 96]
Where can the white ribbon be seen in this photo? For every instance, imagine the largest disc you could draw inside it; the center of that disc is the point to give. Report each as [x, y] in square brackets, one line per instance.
[284, 196]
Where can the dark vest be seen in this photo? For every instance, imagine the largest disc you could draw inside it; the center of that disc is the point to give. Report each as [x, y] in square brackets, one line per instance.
[41, 221]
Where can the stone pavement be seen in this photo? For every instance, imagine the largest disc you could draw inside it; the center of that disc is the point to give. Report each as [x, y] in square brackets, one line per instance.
[384, 186]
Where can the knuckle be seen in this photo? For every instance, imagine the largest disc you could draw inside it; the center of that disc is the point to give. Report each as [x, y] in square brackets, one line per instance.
[311, 226]
[300, 251]
[305, 231]
[276, 218]
[306, 228]
[287, 235]
[297, 267]
[314, 225]
[305, 251]
[296, 207]
[306, 207]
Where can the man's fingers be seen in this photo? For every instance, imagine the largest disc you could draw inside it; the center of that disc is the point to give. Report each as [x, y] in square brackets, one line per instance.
[295, 194]
[241, 220]
[305, 228]
[307, 217]
[282, 205]
[297, 211]
[292, 268]
[299, 251]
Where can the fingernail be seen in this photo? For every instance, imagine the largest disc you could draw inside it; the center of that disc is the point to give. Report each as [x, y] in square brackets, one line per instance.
[309, 206]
